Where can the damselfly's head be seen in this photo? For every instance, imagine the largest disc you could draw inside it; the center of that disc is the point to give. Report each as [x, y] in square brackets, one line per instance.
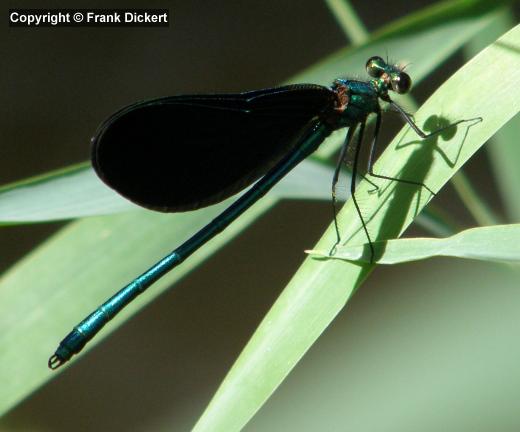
[387, 77]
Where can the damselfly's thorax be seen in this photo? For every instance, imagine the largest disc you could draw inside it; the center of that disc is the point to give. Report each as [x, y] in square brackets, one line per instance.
[355, 100]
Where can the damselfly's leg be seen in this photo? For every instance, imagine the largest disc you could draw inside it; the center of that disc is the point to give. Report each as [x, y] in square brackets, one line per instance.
[408, 119]
[335, 178]
[353, 187]
[373, 151]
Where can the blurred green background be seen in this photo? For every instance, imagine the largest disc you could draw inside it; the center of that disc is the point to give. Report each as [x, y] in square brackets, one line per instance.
[426, 346]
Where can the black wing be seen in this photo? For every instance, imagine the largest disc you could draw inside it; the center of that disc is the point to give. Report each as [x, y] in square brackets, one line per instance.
[185, 152]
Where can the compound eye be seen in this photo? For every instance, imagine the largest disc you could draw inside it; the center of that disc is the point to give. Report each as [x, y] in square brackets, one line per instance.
[375, 66]
[401, 83]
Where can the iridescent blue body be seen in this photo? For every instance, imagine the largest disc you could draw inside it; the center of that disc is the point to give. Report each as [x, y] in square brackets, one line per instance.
[205, 148]
[363, 100]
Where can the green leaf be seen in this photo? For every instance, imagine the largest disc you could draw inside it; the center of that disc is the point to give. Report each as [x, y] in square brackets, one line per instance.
[498, 243]
[503, 151]
[505, 157]
[320, 289]
[77, 192]
[348, 20]
[59, 195]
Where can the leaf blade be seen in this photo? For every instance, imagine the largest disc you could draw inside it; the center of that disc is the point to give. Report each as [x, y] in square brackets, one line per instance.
[497, 243]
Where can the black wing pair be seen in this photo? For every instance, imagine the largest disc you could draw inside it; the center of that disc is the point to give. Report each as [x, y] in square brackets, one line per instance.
[185, 152]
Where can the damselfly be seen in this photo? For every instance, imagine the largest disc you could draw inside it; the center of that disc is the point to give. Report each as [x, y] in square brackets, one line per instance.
[182, 153]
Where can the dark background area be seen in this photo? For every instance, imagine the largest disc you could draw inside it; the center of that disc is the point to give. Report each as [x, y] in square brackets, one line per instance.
[58, 84]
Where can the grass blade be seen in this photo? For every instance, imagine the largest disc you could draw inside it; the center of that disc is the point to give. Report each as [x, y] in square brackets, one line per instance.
[348, 20]
[498, 243]
[77, 192]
